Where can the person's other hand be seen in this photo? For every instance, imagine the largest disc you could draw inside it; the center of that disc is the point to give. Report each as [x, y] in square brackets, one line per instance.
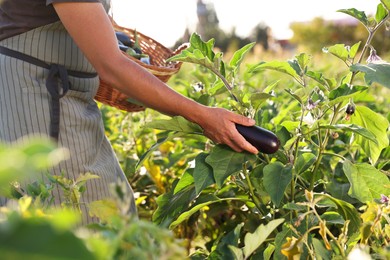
[219, 125]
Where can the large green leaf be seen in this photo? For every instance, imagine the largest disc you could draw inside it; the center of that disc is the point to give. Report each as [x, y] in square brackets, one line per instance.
[198, 49]
[304, 161]
[206, 200]
[225, 162]
[203, 173]
[227, 248]
[239, 55]
[177, 123]
[253, 240]
[353, 128]
[344, 92]
[281, 66]
[186, 180]
[346, 210]
[377, 125]
[367, 183]
[202, 53]
[171, 205]
[276, 179]
[374, 72]
[320, 78]
[34, 239]
[360, 15]
[154, 147]
[27, 158]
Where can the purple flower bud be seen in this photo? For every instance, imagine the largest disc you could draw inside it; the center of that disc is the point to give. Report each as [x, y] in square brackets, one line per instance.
[373, 57]
[384, 199]
[311, 105]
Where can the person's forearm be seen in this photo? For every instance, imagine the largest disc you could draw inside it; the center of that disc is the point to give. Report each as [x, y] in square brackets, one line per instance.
[137, 83]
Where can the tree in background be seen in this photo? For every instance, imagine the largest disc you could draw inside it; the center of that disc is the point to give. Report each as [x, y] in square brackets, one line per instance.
[318, 33]
[208, 28]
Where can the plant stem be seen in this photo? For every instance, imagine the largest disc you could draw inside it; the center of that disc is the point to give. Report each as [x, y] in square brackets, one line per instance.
[225, 82]
[252, 194]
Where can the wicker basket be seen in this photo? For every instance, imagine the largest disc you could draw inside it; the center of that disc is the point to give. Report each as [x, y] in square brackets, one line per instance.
[158, 67]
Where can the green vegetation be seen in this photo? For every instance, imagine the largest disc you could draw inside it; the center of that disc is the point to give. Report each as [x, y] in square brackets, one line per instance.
[323, 195]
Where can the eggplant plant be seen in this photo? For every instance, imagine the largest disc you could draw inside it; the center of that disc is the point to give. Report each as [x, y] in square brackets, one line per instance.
[323, 192]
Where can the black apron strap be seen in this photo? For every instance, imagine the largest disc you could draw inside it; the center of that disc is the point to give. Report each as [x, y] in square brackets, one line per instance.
[57, 74]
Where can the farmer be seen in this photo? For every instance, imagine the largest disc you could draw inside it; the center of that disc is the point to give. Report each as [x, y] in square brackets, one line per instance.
[52, 53]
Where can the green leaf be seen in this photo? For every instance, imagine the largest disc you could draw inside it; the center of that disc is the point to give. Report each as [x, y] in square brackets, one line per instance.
[85, 177]
[361, 16]
[295, 96]
[239, 55]
[320, 78]
[203, 173]
[281, 66]
[19, 241]
[295, 207]
[355, 129]
[276, 179]
[237, 252]
[155, 147]
[304, 161]
[338, 50]
[177, 123]
[333, 218]
[105, 210]
[225, 162]
[171, 205]
[224, 248]
[386, 3]
[367, 183]
[197, 50]
[303, 60]
[346, 210]
[354, 50]
[258, 98]
[254, 240]
[186, 180]
[380, 14]
[268, 252]
[374, 72]
[202, 53]
[321, 252]
[187, 214]
[377, 125]
[344, 92]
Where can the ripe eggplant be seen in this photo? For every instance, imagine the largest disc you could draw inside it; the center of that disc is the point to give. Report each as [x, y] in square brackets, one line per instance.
[264, 140]
[124, 38]
[122, 47]
[350, 109]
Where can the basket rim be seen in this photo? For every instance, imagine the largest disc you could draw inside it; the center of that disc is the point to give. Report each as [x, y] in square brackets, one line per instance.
[161, 71]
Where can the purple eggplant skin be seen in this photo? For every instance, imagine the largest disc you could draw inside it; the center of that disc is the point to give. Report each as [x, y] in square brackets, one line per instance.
[124, 38]
[264, 140]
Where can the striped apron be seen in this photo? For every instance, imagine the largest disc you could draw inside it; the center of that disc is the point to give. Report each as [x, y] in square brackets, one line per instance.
[28, 106]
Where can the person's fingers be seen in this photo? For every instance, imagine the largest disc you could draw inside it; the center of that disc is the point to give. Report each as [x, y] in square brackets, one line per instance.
[242, 120]
[226, 133]
[243, 144]
[236, 141]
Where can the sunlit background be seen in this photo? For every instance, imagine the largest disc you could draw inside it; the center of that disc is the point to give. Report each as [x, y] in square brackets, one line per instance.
[166, 21]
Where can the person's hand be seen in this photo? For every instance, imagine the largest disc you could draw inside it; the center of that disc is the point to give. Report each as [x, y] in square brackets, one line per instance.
[219, 125]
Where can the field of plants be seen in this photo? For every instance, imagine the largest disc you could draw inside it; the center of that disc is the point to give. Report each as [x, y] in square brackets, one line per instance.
[324, 194]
